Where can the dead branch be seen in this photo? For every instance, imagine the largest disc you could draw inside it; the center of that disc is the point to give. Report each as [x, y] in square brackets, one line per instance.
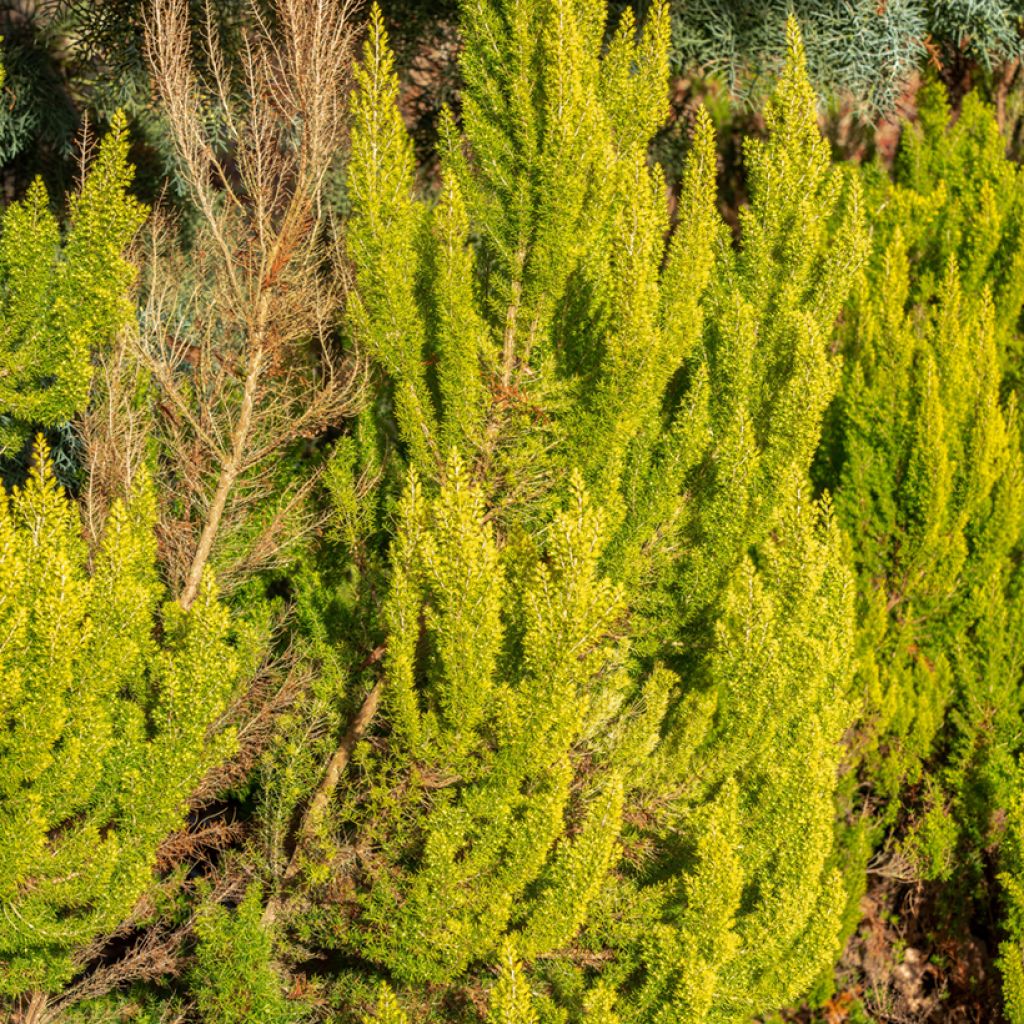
[197, 844]
[235, 366]
[254, 716]
[237, 331]
[113, 432]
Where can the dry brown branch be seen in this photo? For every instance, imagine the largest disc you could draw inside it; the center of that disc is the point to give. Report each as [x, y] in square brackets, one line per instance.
[235, 367]
[892, 864]
[337, 764]
[237, 330]
[199, 843]
[32, 1009]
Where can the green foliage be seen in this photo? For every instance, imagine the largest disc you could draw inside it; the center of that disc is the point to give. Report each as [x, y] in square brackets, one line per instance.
[929, 473]
[36, 111]
[760, 820]
[957, 195]
[774, 305]
[140, 1004]
[61, 300]
[928, 492]
[863, 48]
[618, 631]
[511, 1000]
[1011, 951]
[487, 738]
[109, 704]
[232, 979]
[600, 706]
[73, 65]
[388, 1010]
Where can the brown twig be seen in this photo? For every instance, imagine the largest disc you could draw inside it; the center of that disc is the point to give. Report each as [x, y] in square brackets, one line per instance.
[237, 331]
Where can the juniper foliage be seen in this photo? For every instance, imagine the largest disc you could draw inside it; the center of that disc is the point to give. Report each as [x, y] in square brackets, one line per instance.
[1011, 958]
[589, 661]
[957, 195]
[929, 492]
[861, 49]
[233, 980]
